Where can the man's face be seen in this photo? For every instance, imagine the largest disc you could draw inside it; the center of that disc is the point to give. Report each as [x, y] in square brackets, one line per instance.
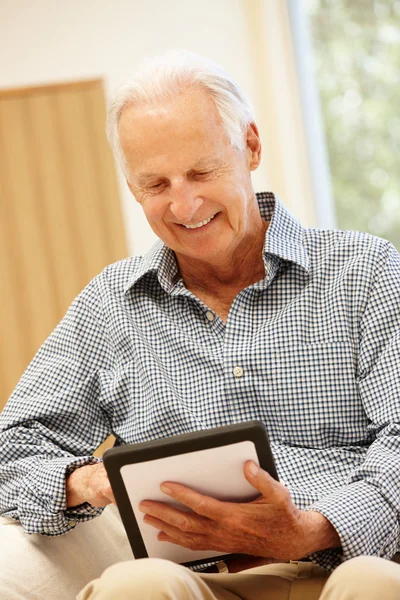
[194, 188]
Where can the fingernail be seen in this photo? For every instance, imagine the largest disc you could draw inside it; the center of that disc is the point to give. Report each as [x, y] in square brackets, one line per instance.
[165, 489]
[253, 468]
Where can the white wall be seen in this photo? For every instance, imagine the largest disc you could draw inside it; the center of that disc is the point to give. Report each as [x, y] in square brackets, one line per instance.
[50, 41]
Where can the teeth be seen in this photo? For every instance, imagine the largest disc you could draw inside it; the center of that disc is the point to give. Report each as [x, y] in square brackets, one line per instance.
[199, 224]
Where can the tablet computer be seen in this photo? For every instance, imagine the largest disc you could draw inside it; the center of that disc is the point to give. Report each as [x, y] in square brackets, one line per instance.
[210, 461]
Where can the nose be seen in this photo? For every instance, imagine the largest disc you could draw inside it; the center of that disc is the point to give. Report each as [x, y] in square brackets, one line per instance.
[185, 201]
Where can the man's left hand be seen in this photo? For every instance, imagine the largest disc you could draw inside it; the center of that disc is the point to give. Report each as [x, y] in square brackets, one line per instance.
[270, 526]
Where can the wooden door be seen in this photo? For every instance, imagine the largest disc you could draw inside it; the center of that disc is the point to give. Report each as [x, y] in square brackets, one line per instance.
[60, 212]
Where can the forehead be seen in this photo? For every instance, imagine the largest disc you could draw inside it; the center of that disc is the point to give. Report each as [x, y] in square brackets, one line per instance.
[184, 110]
[186, 129]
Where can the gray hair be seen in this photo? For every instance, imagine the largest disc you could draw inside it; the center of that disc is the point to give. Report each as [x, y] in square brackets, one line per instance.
[162, 78]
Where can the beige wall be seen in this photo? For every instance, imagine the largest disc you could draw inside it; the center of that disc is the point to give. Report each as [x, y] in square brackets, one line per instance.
[47, 41]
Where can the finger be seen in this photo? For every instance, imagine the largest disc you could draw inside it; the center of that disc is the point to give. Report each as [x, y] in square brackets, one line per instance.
[154, 522]
[183, 520]
[175, 535]
[199, 503]
[184, 542]
[163, 537]
[193, 544]
[271, 489]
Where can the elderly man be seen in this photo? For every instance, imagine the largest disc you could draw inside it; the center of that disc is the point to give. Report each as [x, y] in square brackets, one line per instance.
[238, 313]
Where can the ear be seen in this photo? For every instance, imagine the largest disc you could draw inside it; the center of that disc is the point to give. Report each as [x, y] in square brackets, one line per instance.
[253, 146]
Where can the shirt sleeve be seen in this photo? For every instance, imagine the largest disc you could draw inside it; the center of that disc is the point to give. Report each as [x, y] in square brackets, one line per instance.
[53, 421]
[366, 511]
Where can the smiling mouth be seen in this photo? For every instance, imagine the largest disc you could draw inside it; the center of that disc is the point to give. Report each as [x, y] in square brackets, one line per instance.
[198, 225]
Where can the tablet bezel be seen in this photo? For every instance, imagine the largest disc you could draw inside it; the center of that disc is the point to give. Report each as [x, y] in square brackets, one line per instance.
[115, 458]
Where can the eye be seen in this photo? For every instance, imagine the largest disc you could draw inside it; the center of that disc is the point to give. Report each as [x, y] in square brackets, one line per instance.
[202, 174]
[156, 187]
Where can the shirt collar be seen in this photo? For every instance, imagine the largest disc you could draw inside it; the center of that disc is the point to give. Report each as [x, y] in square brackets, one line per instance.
[284, 236]
[161, 261]
[282, 239]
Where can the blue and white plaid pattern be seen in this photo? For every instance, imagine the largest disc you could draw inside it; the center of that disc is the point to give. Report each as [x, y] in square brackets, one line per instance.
[318, 346]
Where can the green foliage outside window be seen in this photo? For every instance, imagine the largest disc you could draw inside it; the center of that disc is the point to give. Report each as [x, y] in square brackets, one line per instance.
[357, 59]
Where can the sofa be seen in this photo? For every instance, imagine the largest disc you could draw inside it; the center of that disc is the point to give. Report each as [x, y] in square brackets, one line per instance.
[36, 567]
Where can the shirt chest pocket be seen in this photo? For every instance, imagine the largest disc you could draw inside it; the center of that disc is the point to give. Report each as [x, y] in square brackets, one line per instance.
[315, 395]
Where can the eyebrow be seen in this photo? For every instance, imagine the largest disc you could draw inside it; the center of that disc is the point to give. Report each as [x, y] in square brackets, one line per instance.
[203, 163]
[146, 177]
[209, 161]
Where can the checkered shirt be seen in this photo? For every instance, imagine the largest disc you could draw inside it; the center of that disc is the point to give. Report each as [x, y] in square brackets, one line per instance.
[317, 343]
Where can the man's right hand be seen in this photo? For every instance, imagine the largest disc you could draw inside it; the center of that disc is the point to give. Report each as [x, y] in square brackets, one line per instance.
[90, 484]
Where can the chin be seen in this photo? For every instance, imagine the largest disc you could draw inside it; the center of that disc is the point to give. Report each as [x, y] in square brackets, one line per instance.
[199, 255]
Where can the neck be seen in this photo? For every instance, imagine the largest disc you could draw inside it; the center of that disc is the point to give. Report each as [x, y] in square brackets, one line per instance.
[236, 271]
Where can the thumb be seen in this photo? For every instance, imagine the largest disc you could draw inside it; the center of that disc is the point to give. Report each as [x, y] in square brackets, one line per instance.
[260, 479]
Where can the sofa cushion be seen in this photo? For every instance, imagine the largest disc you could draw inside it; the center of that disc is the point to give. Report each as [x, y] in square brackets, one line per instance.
[37, 567]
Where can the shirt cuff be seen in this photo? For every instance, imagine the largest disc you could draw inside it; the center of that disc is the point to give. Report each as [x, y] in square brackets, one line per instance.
[42, 498]
[364, 521]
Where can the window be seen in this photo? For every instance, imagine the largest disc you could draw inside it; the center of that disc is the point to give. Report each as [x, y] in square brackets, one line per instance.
[356, 50]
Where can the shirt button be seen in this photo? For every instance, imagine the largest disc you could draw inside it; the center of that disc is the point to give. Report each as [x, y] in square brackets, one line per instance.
[238, 371]
[210, 315]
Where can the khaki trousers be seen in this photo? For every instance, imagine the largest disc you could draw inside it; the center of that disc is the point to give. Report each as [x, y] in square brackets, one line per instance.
[362, 578]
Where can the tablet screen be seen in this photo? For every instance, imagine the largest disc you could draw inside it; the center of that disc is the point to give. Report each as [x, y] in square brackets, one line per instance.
[217, 472]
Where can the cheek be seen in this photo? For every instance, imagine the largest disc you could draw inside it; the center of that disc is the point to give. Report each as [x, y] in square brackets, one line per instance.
[152, 211]
[155, 216]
